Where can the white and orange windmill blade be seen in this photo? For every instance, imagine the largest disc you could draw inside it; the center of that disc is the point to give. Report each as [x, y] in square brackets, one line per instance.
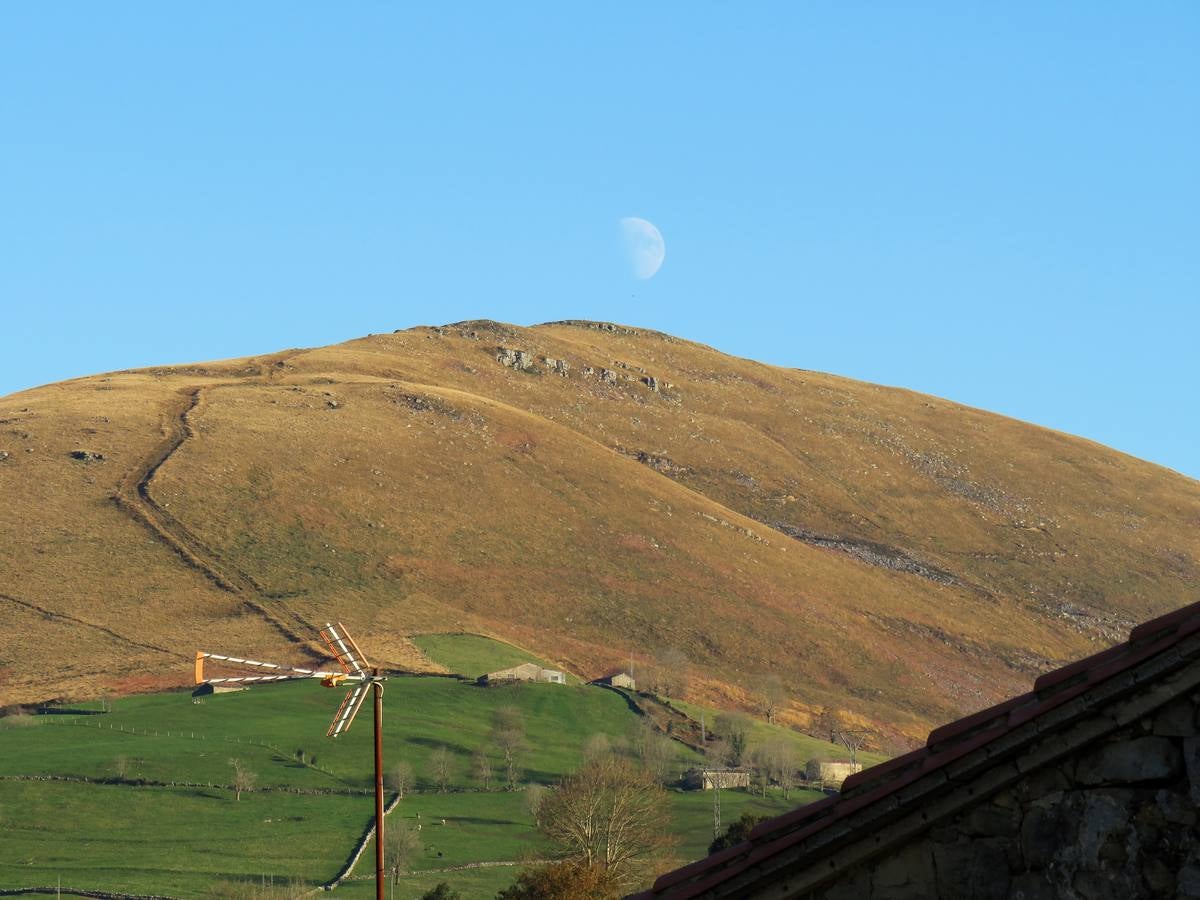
[354, 668]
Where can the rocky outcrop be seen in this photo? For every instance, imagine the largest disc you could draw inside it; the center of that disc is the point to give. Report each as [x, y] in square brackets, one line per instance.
[870, 552]
[557, 366]
[520, 360]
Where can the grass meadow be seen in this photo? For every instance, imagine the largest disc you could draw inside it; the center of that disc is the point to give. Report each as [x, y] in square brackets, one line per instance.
[173, 825]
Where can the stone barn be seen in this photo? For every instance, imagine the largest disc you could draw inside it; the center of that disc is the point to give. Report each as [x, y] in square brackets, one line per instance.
[524, 672]
[707, 779]
[620, 680]
[1088, 786]
[828, 773]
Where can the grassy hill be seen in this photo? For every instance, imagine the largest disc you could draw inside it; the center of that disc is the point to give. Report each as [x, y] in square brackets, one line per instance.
[890, 554]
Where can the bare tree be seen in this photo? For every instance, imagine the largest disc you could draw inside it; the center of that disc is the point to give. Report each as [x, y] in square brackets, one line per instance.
[671, 672]
[441, 768]
[782, 762]
[400, 778]
[481, 766]
[827, 721]
[655, 751]
[597, 745]
[609, 814]
[508, 735]
[732, 727]
[401, 846]
[774, 695]
[243, 778]
[535, 795]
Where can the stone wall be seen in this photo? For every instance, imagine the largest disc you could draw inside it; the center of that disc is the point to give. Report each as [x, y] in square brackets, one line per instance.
[1117, 819]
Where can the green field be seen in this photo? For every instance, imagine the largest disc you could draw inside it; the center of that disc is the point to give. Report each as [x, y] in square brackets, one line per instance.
[174, 827]
[474, 655]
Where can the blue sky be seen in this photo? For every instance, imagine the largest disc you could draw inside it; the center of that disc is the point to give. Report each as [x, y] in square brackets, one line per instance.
[996, 203]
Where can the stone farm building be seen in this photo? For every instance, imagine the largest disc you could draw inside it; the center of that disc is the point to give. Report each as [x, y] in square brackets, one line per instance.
[619, 679]
[830, 774]
[525, 672]
[1088, 786]
[707, 779]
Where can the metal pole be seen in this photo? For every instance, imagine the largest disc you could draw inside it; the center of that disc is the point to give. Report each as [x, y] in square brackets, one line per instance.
[379, 892]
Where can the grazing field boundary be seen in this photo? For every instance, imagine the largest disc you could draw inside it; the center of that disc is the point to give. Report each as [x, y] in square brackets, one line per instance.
[79, 892]
[345, 871]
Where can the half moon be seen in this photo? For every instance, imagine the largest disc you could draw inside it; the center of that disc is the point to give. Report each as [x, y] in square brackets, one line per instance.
[644, 246]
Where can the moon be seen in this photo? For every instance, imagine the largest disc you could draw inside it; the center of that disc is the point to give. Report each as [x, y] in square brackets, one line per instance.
[644, 246]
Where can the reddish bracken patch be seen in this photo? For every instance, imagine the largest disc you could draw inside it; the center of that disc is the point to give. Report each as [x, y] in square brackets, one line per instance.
[145, 684]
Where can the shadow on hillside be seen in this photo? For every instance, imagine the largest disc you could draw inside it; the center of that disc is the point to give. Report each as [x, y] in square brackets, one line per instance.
[479, 820]
[434, 744]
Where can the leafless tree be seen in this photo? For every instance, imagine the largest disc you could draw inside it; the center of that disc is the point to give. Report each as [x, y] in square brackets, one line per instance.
[774, 695]
[401, 846]
[671, 672]
[535, 795]
[782, 762]
[400, 778]
[441, 768]
[762, 769]
[655, 751]
[597, 745]
[243, 778]
[610, 814]
[827, 722]
[508, 736]
[733, 727]
[481, 766]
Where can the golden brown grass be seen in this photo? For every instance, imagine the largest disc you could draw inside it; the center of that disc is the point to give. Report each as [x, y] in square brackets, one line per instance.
[409, 482]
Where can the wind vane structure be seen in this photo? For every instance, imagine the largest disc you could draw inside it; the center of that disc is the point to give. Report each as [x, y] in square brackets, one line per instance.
[354, 670]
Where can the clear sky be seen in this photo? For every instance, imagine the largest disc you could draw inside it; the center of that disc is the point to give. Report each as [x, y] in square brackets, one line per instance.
[996, 203]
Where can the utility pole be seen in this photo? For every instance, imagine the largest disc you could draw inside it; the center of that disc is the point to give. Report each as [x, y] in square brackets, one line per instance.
[356, 671]
[377, 685]
[716, 805]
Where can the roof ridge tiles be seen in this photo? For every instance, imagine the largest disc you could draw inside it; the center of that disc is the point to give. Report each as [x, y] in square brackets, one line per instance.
[886, 782]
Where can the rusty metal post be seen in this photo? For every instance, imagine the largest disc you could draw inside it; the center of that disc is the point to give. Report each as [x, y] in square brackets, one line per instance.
[379, 879]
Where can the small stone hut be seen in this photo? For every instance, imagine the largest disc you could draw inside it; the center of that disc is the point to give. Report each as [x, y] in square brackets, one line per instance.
[707, 779]
[524, 672]
[620, 680]
[1085, 787]
[830, 774]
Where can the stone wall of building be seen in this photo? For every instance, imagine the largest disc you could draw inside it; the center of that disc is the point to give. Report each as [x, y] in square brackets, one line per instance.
[1117, 819]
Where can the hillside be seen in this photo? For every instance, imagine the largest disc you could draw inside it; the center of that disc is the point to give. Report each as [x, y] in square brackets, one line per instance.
[584, 491]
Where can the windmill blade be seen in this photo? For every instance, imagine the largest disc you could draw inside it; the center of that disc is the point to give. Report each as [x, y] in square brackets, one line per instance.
[344, 650]
[344, 717]
[282, 673]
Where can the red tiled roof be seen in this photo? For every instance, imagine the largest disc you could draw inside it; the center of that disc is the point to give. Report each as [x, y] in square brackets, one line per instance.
[944, 745]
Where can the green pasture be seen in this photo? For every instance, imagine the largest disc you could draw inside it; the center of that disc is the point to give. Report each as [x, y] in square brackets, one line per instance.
[168, 737]
[196, 841]
[170, 841]
[474, 655]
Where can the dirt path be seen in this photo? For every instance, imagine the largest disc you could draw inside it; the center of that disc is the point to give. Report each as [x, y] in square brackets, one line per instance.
[52, 616]
[133, 496]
